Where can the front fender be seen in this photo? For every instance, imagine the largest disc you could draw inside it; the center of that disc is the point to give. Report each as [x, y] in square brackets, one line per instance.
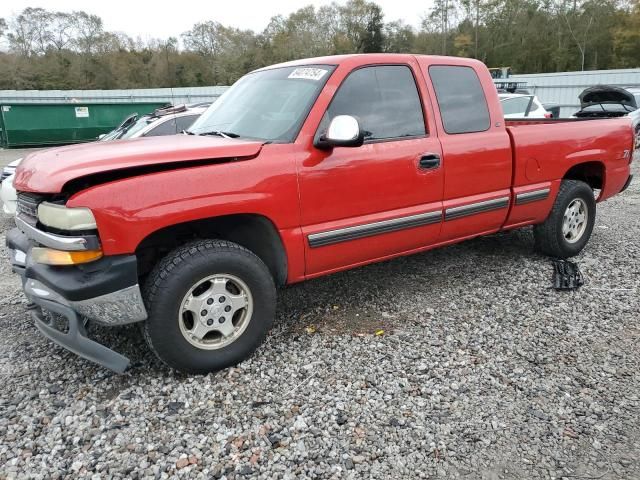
[130, 209]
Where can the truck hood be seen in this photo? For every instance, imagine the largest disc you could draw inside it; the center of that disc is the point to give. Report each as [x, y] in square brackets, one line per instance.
[47, 171]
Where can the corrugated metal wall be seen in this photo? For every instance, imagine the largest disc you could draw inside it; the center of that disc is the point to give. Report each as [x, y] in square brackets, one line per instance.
[169, 95]
[564, 87]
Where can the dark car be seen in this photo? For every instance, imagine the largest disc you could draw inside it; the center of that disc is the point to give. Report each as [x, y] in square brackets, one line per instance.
[604, 101]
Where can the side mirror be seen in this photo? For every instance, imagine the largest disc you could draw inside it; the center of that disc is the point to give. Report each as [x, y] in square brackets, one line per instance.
[343, 131]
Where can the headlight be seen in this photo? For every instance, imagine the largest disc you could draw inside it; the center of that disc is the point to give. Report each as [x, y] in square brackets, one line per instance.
[6, 173]
[63, 218]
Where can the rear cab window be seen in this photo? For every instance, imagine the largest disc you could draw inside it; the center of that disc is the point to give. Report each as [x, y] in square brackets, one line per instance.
[463, 105]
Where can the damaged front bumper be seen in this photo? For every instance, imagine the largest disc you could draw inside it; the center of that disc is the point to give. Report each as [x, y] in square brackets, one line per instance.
[105, 291]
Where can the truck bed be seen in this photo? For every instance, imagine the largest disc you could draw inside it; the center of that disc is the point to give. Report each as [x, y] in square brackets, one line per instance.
[542, 153]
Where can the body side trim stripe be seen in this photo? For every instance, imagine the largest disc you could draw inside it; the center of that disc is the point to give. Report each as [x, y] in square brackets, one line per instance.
[533, 196]
[454, 213]
[369, 229]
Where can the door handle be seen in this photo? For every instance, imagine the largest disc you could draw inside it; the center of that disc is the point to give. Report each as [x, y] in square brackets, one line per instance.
[429, 161]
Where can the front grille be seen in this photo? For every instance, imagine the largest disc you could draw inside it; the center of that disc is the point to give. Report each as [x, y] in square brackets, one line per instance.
[27, 206]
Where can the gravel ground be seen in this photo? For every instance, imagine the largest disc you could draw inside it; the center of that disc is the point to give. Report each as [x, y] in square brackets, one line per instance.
[481, 371]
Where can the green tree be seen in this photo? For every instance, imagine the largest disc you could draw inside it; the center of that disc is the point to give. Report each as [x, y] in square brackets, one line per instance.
[373, 38]
[360, 23]
[28, 33]
[50, 49]
[398, 37]
[626, 38]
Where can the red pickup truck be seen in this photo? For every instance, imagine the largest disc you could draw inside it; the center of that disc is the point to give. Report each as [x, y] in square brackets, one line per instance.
[299, 170]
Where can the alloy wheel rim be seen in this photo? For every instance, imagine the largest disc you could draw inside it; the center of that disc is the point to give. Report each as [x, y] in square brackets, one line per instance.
[574, 222]
[215, 311]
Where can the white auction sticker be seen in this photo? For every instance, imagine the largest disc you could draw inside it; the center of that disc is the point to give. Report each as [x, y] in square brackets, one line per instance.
[307, 73]
[82, 112]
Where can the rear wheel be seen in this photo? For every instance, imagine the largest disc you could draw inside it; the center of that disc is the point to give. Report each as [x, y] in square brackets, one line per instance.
[210, 305]
[568, 228]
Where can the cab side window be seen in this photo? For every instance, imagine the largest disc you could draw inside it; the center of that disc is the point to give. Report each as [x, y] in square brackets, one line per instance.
[515, 105]
[184, 122]
[385, 101]
[463, 106]
[165, 128]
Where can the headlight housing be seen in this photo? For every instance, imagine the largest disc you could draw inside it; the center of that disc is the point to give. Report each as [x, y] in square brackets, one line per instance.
[6, 173]
[63, 218]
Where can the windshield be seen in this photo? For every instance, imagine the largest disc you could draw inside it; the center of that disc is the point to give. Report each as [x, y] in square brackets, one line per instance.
[268, 105]
[141, 123]
[112, 135]
[123, 127]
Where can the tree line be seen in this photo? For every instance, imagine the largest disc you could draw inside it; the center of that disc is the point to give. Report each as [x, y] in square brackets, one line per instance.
[46, 49]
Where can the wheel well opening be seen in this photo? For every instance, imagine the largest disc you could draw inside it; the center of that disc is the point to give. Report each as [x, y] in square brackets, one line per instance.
[592, 173]
[254, 232]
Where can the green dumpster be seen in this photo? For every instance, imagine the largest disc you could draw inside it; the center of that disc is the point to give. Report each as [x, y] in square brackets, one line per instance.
[35, 124]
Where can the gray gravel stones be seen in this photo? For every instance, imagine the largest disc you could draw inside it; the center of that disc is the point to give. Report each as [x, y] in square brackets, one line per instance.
[481, 371]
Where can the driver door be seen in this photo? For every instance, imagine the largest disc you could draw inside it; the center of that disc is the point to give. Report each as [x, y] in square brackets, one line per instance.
[384, 198]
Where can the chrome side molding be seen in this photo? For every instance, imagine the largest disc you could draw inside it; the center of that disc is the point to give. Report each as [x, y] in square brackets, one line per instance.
[533, 196]
[454, 213]
[376, 228]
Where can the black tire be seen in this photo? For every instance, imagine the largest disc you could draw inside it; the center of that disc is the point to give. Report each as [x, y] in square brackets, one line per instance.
[549, 238]
[170, 281]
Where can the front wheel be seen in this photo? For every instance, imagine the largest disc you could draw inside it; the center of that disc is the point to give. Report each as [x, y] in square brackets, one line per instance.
[568, 227]
[210, 304]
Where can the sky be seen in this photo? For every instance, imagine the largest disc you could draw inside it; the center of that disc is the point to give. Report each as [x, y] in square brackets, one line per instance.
[165, 18]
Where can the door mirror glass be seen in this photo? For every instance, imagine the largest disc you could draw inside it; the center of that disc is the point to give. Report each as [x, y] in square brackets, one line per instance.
[343, 131]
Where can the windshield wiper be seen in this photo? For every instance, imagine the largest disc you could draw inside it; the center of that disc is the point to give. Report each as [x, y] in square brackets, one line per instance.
[220, 133]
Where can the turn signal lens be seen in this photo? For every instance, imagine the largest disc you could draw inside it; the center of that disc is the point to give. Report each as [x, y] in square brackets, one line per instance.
[49, 256]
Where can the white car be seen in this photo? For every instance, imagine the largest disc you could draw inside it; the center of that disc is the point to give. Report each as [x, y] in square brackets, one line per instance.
[7, 192]
[8, 196]
[163, 121]
[518, 105]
